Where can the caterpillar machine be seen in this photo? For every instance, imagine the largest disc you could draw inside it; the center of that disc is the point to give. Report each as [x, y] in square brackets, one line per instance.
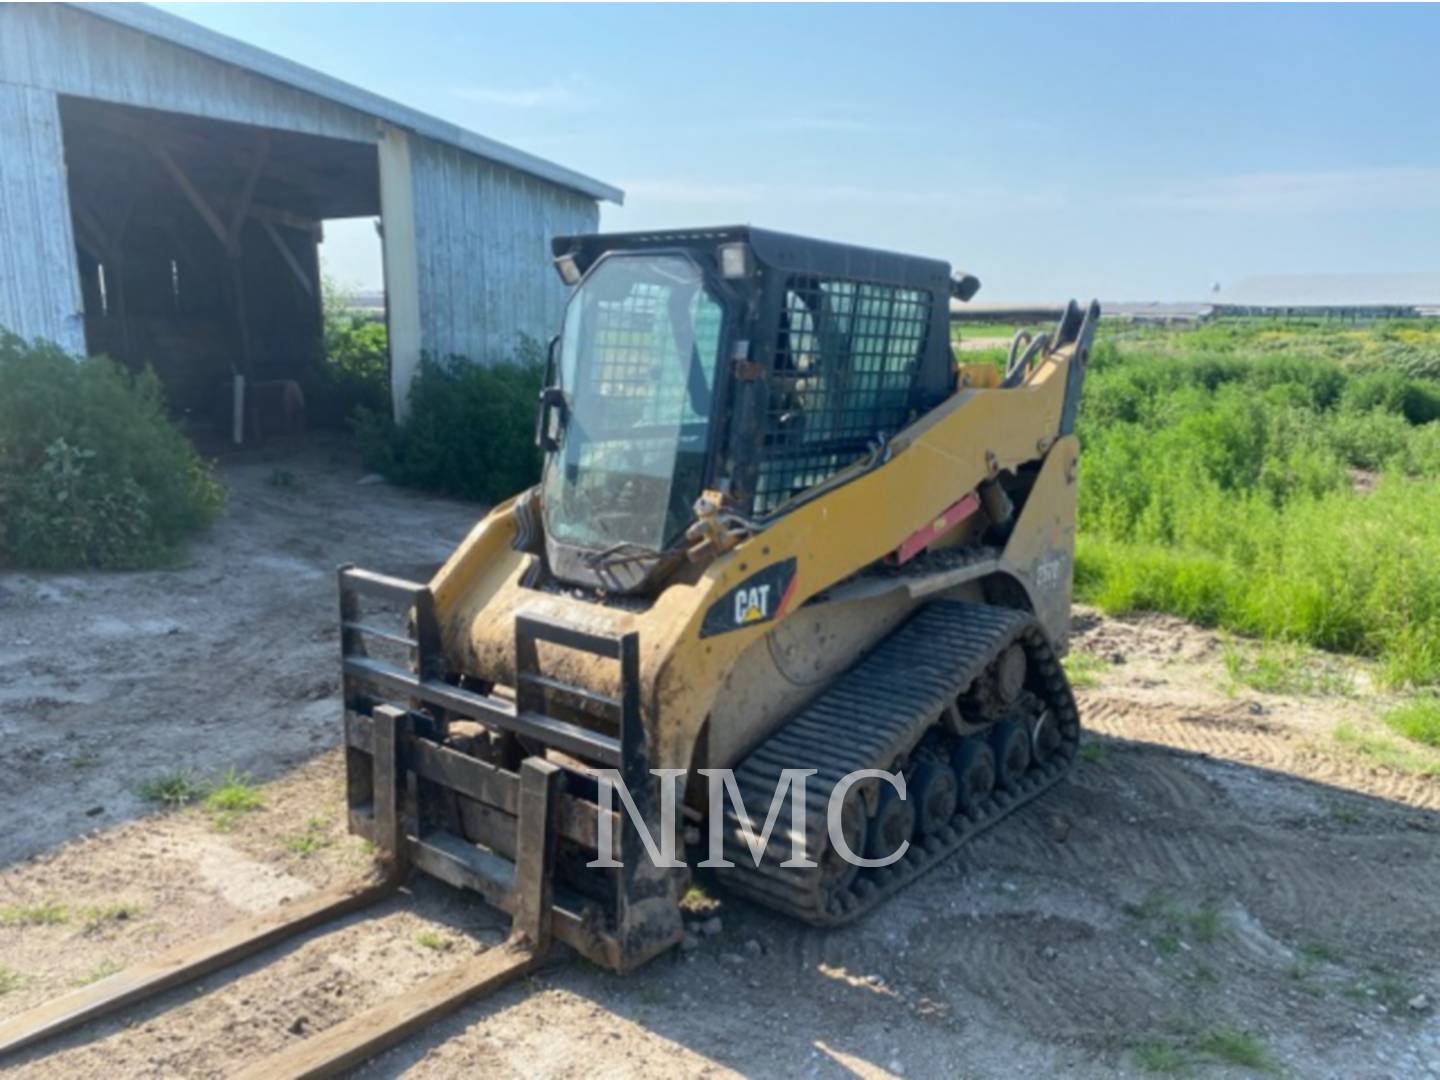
[779, 528]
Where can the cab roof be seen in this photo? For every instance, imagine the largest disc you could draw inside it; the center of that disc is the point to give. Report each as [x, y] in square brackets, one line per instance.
[785, 252]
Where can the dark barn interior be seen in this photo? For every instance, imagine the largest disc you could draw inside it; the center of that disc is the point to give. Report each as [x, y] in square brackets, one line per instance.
[198, 251]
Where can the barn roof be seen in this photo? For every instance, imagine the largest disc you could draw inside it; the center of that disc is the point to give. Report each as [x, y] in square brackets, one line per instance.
[228, 50]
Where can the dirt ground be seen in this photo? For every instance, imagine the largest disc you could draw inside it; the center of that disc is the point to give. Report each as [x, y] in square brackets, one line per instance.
[1216, 889]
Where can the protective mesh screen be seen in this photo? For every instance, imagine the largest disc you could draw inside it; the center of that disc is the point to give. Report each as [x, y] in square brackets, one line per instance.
[639, 368]
[846, 359]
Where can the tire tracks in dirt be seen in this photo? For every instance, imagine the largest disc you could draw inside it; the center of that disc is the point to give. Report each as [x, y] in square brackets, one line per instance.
[1230, 733]
[1176, 878]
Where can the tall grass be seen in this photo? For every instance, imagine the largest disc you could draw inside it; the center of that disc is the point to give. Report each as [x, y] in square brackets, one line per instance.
[1282, 482]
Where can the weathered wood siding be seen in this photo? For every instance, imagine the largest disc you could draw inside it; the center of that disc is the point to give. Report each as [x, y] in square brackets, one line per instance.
[54, 47]
[39, 279]
[483, 248]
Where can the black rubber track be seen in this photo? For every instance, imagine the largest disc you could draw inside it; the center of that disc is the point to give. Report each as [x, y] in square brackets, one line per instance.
[873, 714]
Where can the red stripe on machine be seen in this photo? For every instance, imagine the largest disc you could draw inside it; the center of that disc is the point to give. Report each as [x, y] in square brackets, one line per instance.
[923, 537]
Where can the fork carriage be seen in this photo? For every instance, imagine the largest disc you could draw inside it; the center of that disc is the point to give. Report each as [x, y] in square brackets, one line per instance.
[517, 827]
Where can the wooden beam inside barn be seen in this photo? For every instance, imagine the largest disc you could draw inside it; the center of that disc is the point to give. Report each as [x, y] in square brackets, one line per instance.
[289, 256]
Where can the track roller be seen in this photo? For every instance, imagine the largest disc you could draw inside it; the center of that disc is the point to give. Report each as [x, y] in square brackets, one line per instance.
[1011, 744]
[897, 705]
[974, 764]
[892, 824]
[934, 792]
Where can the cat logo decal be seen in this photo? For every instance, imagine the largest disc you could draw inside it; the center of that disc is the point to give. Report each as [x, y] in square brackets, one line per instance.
[760, 598]
[752, 605]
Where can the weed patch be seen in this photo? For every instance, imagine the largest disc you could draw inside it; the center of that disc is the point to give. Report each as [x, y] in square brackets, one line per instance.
[10, 979]
[91, 917]
[1284, 668]
[97, 916]
[1232, 1047]
[1094, 753]
[1204, 924]
[1157, 1056]
[232, 796]
[1085, 670]
[1346, 815]
[1417, 720]
[1317, 952]
[429, 939]
[1170, 1056]
[172, 789]
[1384, 750]
[312, 839]
[43, 913]
[1390, 992]
[1176, 924]
[225, 797]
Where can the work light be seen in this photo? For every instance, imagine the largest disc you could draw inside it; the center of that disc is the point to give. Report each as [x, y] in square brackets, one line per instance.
[568, 268]
[734, 260]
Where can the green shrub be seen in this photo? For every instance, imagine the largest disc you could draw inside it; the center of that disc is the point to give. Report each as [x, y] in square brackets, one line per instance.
[356, 370]
[471, 429]
[1217, 485]
[92, 472]
[1370, 440]
[357, 362]
[1417, 400]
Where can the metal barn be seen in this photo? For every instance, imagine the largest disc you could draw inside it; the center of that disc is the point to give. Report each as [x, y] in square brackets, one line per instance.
[162, 189]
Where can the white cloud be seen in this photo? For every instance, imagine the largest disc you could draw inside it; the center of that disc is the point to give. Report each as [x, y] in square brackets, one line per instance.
[1347, 190]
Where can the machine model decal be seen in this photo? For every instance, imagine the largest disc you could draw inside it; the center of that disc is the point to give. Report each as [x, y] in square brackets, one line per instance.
[762, 597]
[1050, 574]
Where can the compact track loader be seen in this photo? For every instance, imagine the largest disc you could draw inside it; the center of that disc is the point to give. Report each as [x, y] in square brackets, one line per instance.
[781, 533]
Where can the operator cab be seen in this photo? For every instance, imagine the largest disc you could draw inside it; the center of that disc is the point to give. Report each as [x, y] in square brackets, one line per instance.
[737, 361]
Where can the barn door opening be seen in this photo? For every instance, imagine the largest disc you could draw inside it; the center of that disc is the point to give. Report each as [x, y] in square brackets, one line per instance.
[357, 349]
[198, 247]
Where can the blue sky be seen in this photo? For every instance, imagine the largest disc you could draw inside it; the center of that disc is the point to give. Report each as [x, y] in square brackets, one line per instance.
[1125, 152]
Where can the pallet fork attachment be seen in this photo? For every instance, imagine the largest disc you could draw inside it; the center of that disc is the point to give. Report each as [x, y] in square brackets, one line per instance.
[184, 964]
[351, 1042]
[390, 756]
